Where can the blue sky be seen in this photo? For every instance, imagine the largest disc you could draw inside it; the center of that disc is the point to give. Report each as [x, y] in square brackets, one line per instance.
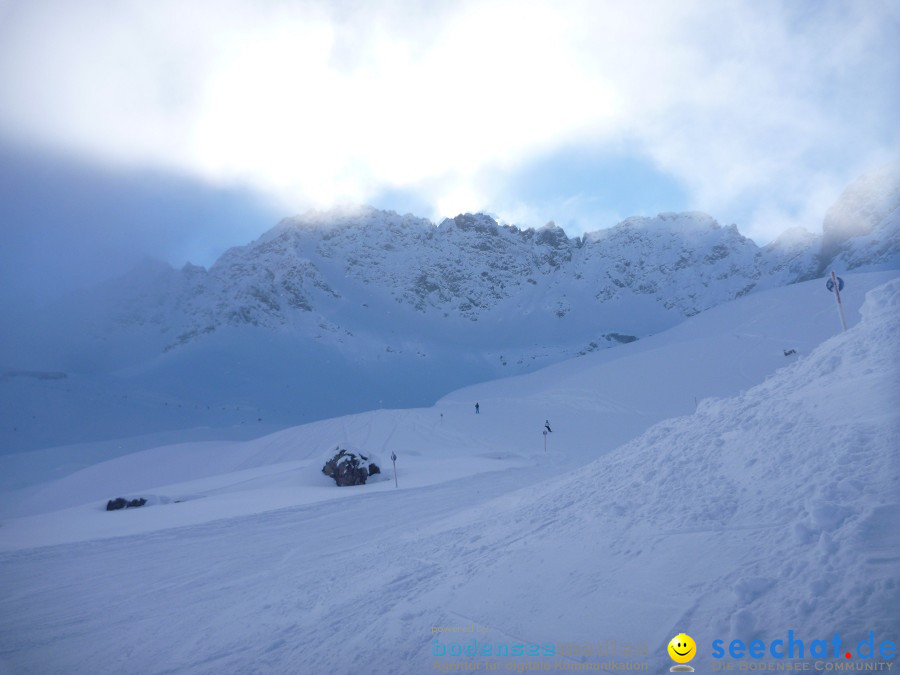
[192, 127]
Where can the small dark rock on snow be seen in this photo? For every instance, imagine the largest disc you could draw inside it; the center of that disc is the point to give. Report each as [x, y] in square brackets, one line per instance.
[122, 503]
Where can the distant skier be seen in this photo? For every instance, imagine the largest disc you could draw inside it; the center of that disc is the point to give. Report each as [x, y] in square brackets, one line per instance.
[476, 408]
[547, 426]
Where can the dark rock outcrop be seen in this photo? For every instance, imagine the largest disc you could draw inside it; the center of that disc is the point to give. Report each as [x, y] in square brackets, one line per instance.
[122, 503]
[350, 467]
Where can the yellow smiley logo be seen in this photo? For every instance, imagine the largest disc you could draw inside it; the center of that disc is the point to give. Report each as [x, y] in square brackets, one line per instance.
[682, 648]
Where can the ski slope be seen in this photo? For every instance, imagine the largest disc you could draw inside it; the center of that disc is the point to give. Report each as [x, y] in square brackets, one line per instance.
[770, 503]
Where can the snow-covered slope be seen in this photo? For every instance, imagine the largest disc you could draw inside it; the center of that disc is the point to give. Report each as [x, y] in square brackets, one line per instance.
[774, 509]
[768, 510]
[616, 392]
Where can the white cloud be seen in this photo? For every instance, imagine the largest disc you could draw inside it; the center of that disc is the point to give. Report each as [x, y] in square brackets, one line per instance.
[318, 102]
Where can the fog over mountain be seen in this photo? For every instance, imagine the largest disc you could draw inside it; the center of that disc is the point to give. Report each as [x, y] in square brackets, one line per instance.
[346, 310]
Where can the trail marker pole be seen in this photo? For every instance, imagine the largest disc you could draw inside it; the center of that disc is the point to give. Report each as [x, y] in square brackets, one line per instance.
[394, 461]
[836, 284]
[545, 440]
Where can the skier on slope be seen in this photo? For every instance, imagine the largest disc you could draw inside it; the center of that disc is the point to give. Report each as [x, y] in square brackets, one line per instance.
[476, 408]
[547, 426]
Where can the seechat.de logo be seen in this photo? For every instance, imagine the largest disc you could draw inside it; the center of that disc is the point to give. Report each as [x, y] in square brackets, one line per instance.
[793, 647]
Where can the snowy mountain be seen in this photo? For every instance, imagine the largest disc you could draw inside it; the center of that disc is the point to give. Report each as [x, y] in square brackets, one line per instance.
[861, 228]
[347, 276]
[339, 275]
[348, 310]
[695, 481]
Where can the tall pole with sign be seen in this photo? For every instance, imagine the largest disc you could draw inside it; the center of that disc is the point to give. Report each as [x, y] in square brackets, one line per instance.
[394, 460]
[836, 284]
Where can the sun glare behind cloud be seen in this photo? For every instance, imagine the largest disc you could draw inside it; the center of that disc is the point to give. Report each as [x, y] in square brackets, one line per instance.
[762, 113]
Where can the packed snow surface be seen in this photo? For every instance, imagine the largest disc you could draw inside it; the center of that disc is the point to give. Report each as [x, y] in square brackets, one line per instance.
[696, 481]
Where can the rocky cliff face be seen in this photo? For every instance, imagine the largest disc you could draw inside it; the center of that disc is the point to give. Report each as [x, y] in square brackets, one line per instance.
[341, 275]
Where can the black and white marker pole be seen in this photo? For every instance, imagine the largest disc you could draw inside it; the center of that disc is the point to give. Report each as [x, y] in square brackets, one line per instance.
[394, 460]
[836, 285]
[545, 440]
